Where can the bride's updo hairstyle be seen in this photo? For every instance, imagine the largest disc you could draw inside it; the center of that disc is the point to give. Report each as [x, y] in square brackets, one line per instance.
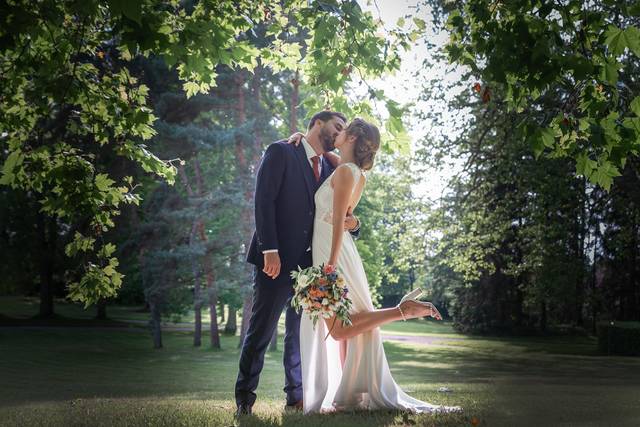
[367, 142]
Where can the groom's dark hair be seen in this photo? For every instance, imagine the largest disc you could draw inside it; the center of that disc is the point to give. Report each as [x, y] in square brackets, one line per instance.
[325, 116]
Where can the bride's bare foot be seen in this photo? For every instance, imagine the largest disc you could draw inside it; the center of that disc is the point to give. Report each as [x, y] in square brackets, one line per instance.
[415, 309]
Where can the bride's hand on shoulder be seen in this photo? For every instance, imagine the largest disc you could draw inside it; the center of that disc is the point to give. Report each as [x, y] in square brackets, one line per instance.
[296, 138]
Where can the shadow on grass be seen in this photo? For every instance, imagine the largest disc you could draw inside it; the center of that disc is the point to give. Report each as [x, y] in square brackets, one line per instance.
[355, 419]
[509, 360]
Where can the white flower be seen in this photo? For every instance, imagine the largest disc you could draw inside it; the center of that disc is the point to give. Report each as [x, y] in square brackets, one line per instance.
[303, 280]
[325, 301]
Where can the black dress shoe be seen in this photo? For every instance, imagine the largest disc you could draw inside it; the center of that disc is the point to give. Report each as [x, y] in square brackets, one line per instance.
[243, 409]
[298, 406]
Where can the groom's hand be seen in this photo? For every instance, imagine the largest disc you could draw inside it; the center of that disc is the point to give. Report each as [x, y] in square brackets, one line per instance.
[350, 222]
[271, 264]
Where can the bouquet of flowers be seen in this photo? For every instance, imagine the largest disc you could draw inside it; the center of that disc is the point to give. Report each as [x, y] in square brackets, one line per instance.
[321, 292]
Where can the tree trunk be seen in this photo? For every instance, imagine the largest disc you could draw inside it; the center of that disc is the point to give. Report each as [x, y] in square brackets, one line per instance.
[627, 297]
[232, 321]
[635, 289]
[197, 292]
[240, 119]
[47, 231]
[208, 267]
[581, 224]
[101, 313]
[293, 106]
[543, 316]
[594, 280]
[256, 91]
[155, 323]
[519, 313]
[195, 267]
[214, 333]
[197, 307]
[221, 308]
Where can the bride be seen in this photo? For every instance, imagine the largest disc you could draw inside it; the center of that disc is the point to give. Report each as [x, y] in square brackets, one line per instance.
[349, 369]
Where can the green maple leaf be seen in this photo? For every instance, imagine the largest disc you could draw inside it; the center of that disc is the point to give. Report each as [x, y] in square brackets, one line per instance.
[618, 39]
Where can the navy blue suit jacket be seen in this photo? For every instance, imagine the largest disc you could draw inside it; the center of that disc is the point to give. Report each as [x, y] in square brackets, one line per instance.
[284, 204]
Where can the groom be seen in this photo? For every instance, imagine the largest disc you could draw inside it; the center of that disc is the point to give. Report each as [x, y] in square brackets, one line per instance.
[287, 180]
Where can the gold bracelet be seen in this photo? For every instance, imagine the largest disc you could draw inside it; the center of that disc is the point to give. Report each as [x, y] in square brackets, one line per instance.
[404, 319]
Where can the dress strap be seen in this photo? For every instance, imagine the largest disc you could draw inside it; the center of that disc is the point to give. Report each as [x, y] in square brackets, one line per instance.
[355, 171]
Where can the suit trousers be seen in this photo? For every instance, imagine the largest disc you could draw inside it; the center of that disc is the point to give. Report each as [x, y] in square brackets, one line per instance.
[270, 297]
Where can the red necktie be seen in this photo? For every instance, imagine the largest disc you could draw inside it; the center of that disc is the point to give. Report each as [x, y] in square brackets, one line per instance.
[316, 167]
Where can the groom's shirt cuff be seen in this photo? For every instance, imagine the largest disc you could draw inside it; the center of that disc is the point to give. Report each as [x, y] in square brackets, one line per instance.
[269, 250]
[357, 227]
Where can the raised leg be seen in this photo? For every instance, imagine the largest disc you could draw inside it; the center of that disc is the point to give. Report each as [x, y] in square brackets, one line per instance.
[367, 320]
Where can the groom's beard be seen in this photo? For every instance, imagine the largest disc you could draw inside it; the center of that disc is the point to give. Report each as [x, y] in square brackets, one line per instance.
[327, 141]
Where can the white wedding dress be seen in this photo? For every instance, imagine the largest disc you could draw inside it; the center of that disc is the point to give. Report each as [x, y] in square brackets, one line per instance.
[365, 382]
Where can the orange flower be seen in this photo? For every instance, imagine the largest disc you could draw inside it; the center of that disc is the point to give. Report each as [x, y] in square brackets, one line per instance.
[316, 293]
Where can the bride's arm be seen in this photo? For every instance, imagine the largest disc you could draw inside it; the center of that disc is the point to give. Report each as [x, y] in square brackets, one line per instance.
[343, 182]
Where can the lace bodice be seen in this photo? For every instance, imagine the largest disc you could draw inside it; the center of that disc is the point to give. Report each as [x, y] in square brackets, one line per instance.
[324, 195]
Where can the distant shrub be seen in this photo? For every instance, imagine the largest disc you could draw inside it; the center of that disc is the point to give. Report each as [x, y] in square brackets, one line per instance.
[620, 338]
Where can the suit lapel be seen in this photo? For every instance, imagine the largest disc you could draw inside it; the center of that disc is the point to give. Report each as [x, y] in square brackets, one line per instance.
[309, 179]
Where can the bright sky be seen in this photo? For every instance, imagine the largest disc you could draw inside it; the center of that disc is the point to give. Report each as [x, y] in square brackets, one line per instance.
[405, 87]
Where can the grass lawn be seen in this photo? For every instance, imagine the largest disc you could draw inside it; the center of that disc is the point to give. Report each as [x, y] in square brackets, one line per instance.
[78, 376]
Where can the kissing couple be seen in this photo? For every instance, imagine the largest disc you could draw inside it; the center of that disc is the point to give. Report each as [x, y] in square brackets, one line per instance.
[304, 199]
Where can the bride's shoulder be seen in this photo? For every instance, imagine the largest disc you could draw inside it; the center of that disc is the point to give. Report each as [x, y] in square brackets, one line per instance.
[348, 167]
[344, 171]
